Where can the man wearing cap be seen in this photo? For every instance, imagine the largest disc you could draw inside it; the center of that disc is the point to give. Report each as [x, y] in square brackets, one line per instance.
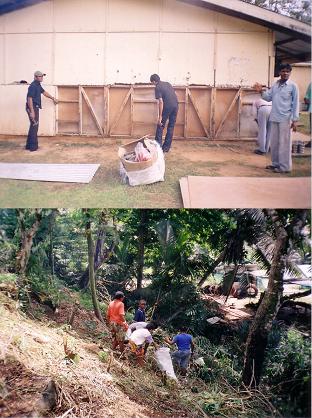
[33, 104]
[116, 320]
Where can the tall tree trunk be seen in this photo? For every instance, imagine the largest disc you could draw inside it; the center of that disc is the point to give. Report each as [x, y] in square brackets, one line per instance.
[101, 255]
[51, 249]
[96, 306]
[27, 236]
[266, 313]
[142, 231]
[211, 269]
[233, 280]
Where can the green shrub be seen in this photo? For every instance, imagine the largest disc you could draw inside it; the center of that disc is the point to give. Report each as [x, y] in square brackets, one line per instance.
[7, 277]
[287, 371]
[103, 356]
[45, 285]
[219, 362]
[85, 300]
[7, 255]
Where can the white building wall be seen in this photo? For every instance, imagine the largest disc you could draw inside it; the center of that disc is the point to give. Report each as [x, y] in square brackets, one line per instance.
[99, 42]
[14, 119]
[301, 75]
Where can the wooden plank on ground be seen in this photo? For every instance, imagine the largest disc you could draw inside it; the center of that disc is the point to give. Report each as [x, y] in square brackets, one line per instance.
[249, 192]
[67, 173]
[185, 192]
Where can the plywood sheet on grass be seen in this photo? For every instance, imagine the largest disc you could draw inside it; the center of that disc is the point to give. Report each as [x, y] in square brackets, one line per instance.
[248, 192]
[67, 173]
[185, 192]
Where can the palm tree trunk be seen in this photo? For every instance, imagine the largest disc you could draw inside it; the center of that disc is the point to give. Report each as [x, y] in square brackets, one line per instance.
[95, 302]
[233, 280]
[262, 323]
[142, 231]
[51, 249]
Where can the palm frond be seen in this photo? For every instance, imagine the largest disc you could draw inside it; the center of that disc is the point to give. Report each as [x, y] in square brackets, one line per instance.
[261, 259]
[165, 232]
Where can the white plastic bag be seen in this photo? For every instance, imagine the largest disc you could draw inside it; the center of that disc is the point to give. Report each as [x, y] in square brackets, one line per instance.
[164, 361]
[141, 153]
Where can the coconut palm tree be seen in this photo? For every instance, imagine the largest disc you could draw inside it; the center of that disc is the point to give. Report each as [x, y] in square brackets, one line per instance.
[286, 229]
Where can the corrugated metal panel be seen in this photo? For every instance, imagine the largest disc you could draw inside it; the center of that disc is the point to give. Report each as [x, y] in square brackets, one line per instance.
[68, 173]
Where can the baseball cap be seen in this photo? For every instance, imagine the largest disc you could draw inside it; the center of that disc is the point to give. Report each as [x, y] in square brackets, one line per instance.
[38, 74]
[119, 294]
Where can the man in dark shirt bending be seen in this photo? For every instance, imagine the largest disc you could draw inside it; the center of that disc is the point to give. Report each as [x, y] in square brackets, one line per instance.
[167, 109]
[33, 104]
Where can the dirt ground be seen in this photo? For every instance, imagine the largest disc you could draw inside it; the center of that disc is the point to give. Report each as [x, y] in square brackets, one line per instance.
[192, 157]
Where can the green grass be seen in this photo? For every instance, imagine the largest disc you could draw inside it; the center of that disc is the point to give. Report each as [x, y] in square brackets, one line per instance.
[7, 278]
[106, 189]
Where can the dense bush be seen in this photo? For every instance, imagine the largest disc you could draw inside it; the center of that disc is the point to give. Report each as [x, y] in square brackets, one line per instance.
[221, 361]
[287, 371]
[180, 303]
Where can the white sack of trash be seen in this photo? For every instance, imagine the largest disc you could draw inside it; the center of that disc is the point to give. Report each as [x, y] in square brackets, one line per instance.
[142, 162]
[164, 362]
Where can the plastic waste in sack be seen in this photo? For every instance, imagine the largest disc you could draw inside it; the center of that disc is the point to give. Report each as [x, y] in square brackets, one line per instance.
[141, 153]
[152, 174]
[164, 362]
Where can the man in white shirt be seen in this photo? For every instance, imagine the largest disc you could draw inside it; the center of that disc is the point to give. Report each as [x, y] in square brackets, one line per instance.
[139, 341]
[134, 326]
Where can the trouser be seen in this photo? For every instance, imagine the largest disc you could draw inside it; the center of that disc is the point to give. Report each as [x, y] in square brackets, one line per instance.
[181, 358]
[170, 113]
[280, 145]
[138, 350]
[118, 332]
[263, 140]
[32, 138]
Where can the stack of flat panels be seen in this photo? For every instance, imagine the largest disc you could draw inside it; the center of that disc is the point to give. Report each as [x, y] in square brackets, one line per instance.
[246, 192]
